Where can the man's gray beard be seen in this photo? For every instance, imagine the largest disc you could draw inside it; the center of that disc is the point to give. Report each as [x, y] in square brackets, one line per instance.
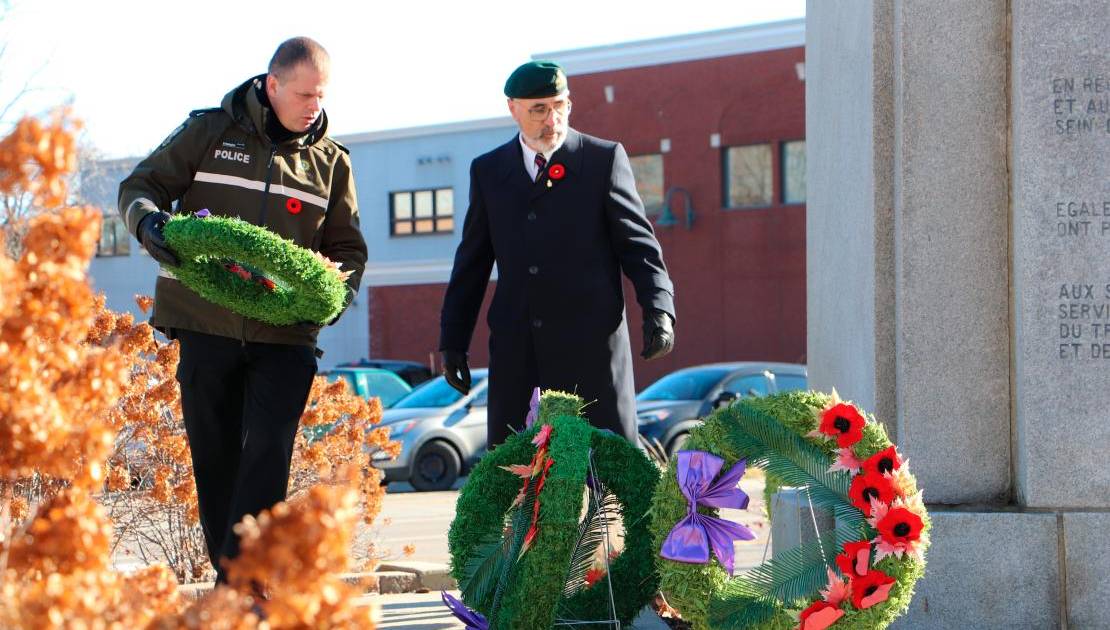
[547, 145]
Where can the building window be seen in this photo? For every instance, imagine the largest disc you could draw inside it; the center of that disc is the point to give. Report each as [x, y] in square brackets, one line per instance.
[114, 239]
[749, 179]
[648, 171]
[422, 212]
[794, 171]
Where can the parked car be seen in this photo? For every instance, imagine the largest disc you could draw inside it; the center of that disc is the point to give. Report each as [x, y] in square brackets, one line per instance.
[367, 382]
[670, 407]
[442, 433]
[412, 372]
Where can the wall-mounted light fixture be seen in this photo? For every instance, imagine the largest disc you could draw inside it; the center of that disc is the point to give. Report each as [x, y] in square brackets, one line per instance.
[667, 218]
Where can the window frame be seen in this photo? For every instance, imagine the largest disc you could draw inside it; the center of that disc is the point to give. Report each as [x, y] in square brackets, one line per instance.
[726, 198]
[662, 183]
[782, 173]
[413, 219]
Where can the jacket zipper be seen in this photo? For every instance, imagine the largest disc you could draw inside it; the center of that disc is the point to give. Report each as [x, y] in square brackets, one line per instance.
[262, 214]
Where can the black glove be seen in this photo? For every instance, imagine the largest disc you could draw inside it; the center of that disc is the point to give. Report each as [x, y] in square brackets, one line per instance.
[658, 334]
[456, 371]
[150, 235]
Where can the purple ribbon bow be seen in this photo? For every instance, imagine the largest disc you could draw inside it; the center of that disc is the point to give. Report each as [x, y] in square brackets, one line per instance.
[202, 214]
[692, 537]
[472, 619]
[533, 409]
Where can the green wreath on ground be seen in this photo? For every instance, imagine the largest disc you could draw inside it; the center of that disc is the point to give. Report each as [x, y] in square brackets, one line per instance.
[859, 576]
[254, 272]
[522, 557]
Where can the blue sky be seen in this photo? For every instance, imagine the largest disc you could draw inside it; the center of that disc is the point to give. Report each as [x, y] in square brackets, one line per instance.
[132, 70]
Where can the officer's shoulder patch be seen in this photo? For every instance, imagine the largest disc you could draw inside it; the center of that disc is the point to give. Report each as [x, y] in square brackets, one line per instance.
[197, 113]
[173, 134]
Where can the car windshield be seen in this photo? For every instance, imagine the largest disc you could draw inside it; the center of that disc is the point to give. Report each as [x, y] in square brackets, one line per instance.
[433, 393]
[684, 385]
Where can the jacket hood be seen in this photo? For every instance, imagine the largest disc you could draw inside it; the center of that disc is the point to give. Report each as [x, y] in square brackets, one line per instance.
[242, 104]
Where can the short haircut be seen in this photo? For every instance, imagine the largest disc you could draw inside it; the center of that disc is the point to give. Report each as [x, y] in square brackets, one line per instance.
[295, 51]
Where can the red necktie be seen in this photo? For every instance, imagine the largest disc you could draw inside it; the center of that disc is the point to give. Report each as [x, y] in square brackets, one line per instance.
[541, 162]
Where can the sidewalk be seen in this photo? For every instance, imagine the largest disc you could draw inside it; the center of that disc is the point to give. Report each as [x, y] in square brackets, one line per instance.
[425, 611]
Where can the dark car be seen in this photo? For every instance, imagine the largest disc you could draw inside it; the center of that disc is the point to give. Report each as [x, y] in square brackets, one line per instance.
[670, 407]
[442, 433]
[412, 372]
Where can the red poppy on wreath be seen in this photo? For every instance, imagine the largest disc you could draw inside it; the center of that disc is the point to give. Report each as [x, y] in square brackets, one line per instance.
[556, 171]
[870, 486]
[266, 282]
[820, 615]
[884, 462]
[856, 559]
[844, 422]
[871, 589]
[594, 575]
[900, 526]
[293, 205]
[238, 270]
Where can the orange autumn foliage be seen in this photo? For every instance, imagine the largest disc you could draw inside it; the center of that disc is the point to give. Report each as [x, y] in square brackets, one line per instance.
[89, 404]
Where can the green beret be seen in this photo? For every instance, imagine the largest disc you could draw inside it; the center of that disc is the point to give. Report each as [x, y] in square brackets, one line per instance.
[536, 79]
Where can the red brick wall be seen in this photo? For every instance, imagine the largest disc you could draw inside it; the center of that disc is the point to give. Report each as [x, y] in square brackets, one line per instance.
[404, 324]
[739, 274]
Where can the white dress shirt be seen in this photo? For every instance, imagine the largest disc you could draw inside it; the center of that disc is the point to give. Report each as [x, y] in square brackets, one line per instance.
[530, 158]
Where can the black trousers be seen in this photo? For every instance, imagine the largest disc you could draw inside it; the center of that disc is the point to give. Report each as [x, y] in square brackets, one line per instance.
[242, 404]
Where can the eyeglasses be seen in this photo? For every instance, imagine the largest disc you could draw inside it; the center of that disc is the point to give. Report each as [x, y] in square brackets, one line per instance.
[540, 112]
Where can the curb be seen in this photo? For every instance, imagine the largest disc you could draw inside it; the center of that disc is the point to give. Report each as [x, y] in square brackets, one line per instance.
[389, 579]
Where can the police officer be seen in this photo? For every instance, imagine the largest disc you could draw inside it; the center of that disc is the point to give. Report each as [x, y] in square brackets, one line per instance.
[264, 156]
[557, 210]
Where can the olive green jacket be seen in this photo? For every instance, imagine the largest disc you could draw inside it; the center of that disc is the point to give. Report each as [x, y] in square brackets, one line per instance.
[222, 160]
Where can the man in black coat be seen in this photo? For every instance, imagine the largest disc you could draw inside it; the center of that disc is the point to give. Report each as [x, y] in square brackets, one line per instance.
[557, 210]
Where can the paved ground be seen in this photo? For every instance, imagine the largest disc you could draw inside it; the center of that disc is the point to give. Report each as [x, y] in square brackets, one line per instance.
[418, 518]
[425, 611]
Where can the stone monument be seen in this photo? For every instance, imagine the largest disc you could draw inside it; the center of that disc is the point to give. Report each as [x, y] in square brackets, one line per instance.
[958, 254]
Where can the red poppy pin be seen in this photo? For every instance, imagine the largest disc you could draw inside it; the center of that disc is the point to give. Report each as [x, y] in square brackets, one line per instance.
[293, 205]
[556, 171]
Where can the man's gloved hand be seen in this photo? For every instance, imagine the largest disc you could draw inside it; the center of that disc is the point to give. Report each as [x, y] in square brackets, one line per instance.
[150, 235]
[456, 371]
[658, 334]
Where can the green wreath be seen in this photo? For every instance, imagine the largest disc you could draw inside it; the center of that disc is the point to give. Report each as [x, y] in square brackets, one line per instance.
[530, 589]
[859, 576]
[254, 272]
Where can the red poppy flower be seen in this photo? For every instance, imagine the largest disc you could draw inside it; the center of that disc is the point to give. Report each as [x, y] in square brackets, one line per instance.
[868, 486]
[900, 525]
[293, 205]
[819, 615]
[883, 462]
[238, 270]
[266, 282]
[856, 559]
[871, 589]
[556, 171]
[593, 575]
[844, 422]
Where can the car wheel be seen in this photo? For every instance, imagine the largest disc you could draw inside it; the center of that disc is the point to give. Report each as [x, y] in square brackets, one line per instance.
[435, 467]
[677, 443]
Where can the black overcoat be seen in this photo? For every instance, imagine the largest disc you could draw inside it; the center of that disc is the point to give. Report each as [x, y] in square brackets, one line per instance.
[557, 319]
